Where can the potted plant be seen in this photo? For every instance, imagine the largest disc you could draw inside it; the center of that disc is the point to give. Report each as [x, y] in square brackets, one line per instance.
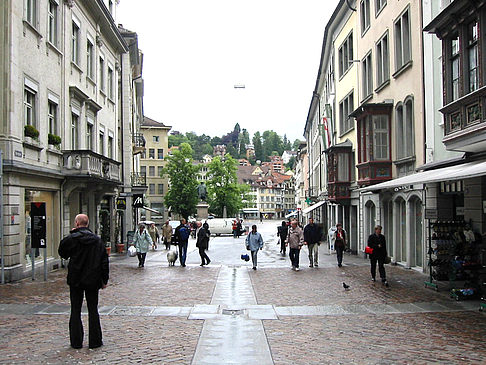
[53, 140]
[108, 248]
[30, 133]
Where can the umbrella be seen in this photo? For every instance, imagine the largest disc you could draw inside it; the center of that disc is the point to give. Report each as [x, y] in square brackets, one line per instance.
[146, 222]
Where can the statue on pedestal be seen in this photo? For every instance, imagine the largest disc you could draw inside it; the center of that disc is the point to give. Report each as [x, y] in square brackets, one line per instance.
[202, 192]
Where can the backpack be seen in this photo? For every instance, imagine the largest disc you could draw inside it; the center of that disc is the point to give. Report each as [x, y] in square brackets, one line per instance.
[184, 233]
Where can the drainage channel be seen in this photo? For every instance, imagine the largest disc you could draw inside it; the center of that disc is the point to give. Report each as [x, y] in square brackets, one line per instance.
[229, 335]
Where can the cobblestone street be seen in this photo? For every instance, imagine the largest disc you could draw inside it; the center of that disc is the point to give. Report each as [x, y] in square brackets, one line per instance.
[227, 313]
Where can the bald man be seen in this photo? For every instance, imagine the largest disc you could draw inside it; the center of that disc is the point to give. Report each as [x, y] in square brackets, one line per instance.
[88, 272]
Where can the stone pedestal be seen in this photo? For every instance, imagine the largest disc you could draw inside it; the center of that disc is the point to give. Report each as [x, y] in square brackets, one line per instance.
[202, 211]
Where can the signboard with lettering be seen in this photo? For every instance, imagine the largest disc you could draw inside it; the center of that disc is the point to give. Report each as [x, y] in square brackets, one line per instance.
[431, 213]
[38, 224]
[137, 200]
[121, 203]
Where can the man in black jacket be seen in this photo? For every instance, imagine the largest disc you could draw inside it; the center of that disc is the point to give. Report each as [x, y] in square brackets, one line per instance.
[377, 242]
[88, 272]
[312, 236]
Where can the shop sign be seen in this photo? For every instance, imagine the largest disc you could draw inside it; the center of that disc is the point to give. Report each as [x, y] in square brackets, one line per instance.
[38, 224]
[431, 213]
[121, 203]
[138, 201]
[459, 210]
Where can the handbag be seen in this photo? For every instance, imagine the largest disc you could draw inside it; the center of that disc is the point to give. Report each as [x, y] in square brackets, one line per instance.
[369, 250]
[388, 260]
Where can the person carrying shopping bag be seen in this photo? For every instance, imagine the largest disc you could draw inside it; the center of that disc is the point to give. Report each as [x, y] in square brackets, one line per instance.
[142, 242]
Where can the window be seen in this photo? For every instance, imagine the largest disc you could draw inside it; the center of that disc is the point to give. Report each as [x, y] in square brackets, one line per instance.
[343, 167]
[151, 189]
[367, 76]
[472, 56]
[346, 107]
[365, 15]
[89, 136]
[102, 74]
[454, 60]
[90, 59]
[156, 139]
[402, 41]
[74, 131]
[52, 117]
[160, 154]
[143, 170]
[346, 54]
[110, 146]
[151, 153]
[31, 12]
[382, 61]
[101, 150]
[159, 170]
[144, 153]
[151, 170]
[75, 43]
[30, 109]
[160, 189]
[379, 5]
[111, 92]
[52, 22]
[380, 137]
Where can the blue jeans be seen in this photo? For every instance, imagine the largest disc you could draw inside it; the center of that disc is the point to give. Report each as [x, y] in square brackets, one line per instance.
[182, 252]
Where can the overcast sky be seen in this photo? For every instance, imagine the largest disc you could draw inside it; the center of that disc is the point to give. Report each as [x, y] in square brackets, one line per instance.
[195, 51]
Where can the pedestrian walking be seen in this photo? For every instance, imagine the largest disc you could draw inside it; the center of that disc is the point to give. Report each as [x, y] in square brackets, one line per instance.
[254, 242]
[167, 234]
[88, 272]
[238, 228]
[235, 229]
[312, 237]
[182, 233]
[377, 243]
[154, 235]
[340, 242]
[202, 237]
[282, 232]
[142, 242]
[295, 240]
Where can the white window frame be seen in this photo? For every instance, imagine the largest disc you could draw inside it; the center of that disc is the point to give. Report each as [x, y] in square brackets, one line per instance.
[367, 76]
[383, 60]
[75, 40]
[110, 77]
[379, 6]
[53, 22]
[345, 55]
[90, 58]
[31, 12]
[101, 141]
[402, 40]
[102, 63]
[380, 132]
[365, 18]
[52, 117]
[346, 107]
[74, 129]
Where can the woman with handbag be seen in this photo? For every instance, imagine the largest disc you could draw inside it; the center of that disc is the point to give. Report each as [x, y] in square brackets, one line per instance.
[339, 243]
[142, 242]
[378, 254]
[254, 242]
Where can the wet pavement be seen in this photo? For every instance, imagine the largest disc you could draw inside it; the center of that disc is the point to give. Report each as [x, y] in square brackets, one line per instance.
[227, 313]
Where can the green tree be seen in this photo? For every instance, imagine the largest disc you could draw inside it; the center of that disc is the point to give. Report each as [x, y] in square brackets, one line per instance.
[290, 165]
[257, 144]
[286, 143]
[177, 139]
[295, 145]
[223, 187]
[244, 140]
[182, 194]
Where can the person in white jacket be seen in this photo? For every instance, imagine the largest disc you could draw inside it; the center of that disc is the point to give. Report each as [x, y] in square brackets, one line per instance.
[254, 242]
[142, 242]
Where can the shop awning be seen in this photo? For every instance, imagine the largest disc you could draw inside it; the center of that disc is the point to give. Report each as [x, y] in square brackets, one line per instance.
[291, 214]
[463, 171]
[312, 207]
[250, 210]
[151, 210]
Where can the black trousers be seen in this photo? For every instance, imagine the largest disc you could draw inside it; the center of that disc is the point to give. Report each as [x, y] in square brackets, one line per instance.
[381, 267]
[204, 257]
[339, 254]
[294, 256]
[76, 332]
[282, 245]
[141, 258]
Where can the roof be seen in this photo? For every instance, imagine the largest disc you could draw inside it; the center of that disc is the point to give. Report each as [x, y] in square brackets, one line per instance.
[148, 122]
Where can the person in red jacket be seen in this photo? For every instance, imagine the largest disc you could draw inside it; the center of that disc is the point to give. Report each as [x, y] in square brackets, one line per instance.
[88, 272]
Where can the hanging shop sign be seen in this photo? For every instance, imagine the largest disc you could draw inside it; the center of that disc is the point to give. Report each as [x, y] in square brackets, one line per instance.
[138, 201]
[121, 203]
[38, 224]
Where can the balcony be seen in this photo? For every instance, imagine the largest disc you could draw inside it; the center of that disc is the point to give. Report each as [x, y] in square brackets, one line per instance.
[374, 172]
[138, 180]
[465, 123]
[138, 142]
[88, 164]
[339, 164]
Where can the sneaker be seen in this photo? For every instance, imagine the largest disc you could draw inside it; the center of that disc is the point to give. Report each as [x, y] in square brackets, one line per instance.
[386, 283]
[311, 265]
[297, 269]
[373, 279]
[340, 265]
[315, 265]
[254, 268]
[292, 268]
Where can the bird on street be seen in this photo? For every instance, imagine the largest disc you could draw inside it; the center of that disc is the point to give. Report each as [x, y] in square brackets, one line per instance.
[346, 286]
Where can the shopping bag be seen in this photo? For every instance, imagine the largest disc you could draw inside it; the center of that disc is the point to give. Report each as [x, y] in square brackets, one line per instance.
[132, 251]
[368, 250]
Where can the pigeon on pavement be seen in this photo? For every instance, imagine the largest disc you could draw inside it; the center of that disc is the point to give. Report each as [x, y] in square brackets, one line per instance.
[345, 286]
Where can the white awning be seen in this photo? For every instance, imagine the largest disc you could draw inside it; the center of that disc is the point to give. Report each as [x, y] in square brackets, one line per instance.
[464, 171]
[151, 210]
[291, 214]
[312, 207]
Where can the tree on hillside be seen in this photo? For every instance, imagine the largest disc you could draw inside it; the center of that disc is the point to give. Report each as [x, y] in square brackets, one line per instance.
[271, 142]
[177, 139]
[223, 188]
[257, 145]
[244, 140]
[286, 143]
[216, 141]
[182, 194]
[296, 144]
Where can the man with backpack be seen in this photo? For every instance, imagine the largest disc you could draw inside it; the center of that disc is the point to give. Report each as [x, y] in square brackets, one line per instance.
[182, 233]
